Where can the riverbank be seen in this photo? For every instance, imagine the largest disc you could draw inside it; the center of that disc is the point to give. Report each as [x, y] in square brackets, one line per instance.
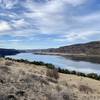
[66, 54]
[59, 69]
[20, 81]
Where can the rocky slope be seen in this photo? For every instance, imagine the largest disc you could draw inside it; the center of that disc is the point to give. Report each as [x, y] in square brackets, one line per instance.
[20, 81]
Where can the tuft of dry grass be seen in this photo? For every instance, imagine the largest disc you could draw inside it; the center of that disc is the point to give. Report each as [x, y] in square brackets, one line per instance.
[4, 69]
[52, 73]
[64, 94]
[85, 89]
[8, 63]
[58, 88]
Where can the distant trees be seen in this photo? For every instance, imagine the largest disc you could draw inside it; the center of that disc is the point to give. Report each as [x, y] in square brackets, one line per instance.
[93, 76]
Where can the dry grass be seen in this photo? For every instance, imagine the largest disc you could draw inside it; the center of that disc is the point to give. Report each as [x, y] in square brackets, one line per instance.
[19, 81]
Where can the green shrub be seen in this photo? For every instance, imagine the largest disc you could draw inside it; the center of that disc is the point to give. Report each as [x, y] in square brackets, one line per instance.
[93, 75]
[51, 66]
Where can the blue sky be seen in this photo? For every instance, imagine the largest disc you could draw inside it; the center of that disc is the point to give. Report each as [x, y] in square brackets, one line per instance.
[27, 24]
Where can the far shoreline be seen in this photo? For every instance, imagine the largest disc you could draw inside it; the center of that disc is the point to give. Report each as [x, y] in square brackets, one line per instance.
[66, 54]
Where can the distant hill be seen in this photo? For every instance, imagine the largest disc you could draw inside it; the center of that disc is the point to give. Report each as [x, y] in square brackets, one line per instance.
[91, 48]
[4, 52]
[87, 48]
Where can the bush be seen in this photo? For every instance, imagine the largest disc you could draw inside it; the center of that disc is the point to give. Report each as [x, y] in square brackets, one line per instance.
[93, 75]
[80, 74]
[52, 73]
[20, 93]
[85, 89]
[37, 63]
[63, 71]
[11, 97]
[50, 66]
[8, 63]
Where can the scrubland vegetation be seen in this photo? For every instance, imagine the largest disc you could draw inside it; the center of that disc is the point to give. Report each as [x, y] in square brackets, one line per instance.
[60, 70]
[24, 80]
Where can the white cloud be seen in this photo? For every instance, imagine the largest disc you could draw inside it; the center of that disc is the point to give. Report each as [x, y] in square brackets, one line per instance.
[80, 35]
[19, 23]
[48, 18]
[60, 39]
[75, 2]
[8, 4]
[89, 17]
[76, 36]
[4, 26]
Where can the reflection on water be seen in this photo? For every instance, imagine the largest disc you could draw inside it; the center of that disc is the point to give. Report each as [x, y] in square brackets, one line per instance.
[59, 61]
[88, 59]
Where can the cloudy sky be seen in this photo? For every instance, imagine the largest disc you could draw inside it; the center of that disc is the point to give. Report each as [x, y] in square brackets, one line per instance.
[48, 23]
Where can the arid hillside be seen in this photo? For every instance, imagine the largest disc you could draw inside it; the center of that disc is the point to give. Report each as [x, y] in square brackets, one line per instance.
[91, 48]
[20, 81]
